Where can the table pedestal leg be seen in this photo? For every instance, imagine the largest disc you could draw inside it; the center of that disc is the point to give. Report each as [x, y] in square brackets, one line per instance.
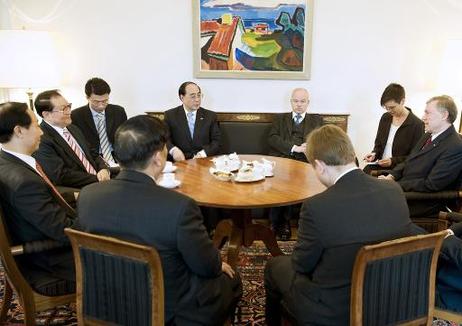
[242, 231]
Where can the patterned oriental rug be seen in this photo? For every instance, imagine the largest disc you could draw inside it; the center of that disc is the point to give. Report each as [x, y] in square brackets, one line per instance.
[250, 310]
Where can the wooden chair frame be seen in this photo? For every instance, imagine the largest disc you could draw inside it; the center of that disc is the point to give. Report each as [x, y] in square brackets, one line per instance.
[30, 300]
[389, 249]
[124, 249]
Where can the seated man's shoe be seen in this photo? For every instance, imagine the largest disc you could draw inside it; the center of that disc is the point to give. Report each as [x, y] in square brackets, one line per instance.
[285, 232]
[276, 229]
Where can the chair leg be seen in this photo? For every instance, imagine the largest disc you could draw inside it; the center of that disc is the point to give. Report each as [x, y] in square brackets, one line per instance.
[28, 306]
[5, 306]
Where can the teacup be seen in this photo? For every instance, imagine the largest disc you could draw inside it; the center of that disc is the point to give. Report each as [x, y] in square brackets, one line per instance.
[268, 167]
[168, 167]
[168, 178]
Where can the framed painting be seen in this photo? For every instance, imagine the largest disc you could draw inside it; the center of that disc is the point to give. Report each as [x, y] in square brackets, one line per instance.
[254, 39]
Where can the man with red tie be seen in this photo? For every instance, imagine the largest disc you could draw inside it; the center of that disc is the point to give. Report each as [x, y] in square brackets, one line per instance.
[63, 152]
[435, 163]
[33, 208]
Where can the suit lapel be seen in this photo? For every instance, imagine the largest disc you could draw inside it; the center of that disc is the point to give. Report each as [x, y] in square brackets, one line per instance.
[88, 118]
[62, 143]
[435, 143]
[288, 122]
[109, 116]
[14, 159]
[306, 124]
[198, 124]
[183, 123]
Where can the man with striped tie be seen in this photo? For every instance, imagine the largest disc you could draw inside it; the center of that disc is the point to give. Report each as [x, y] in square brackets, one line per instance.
[63, 152]
[33, 208]
[98, 119]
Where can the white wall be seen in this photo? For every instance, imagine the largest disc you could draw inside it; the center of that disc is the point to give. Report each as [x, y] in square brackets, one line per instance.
[144, 51]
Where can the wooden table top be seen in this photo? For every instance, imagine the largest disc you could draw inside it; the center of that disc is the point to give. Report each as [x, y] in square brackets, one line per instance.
[292, 183]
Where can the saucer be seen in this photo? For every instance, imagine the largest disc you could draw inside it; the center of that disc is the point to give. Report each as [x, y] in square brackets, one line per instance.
[172, 185]
[169, 170]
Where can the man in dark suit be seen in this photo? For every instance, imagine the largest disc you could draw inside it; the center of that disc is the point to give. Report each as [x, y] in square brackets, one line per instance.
[449, 275]
[33, 208]
[356, 209]
[194, 131]
[287, 139]
[200, 289]
[98, 119]
[435, 163]
[63, 151]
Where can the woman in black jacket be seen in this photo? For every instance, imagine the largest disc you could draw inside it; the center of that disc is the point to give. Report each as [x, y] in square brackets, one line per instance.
[398, 132]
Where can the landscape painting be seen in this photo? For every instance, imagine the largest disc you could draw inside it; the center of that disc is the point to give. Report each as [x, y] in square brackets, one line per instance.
[268, 39]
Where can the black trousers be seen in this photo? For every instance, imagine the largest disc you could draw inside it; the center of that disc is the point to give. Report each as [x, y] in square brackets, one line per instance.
[279, 276]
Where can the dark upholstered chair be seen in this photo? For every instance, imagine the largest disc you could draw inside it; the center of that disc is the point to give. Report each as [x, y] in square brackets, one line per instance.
[31, 300]
[447, 218]
[118, 282]
[393, 282]
[245, 137]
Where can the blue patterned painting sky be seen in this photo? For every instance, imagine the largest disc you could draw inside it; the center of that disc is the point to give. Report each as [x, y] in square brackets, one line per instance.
[213, 9]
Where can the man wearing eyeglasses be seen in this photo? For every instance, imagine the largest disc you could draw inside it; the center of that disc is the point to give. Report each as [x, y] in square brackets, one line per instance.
[287, 138]
[98, 119]
[63, 152]
[194, 131]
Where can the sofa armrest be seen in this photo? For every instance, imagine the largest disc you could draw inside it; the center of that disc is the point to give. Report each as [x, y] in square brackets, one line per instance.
[450, 194]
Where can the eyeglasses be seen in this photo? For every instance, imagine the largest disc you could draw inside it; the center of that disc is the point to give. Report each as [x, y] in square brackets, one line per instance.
[196, 96]
[64, 108]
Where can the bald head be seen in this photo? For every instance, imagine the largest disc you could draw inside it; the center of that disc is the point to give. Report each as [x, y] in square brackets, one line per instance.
[300, 100]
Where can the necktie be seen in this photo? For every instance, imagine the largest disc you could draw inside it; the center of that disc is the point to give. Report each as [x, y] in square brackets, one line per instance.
[104, 147]
[60, 198]
[427, 143]
[298, 118]
[190, 116]
[75, 147]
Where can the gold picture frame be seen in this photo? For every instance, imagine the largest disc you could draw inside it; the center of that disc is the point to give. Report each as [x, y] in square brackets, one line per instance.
[252, 39]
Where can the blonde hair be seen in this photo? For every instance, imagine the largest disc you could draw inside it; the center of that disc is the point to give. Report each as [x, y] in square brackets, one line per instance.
[331, 145]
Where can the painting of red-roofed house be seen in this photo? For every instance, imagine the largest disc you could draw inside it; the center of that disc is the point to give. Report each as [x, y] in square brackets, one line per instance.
[268, 39]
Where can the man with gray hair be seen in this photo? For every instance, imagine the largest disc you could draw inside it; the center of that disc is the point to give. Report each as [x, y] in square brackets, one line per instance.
[435, 163]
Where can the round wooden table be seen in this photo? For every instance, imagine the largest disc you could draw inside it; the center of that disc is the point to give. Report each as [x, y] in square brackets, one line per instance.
[292, 183]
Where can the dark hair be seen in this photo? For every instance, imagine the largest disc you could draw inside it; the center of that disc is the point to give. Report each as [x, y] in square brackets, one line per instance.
[12, 114]
[331, 145]
[393, 92]
[97, 86]
[182, 89]
[137, 139]
[446, 103]
[43, 101]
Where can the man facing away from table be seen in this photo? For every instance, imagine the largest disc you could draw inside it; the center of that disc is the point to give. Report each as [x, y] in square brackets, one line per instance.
[200, 289]
[356, 209]
[194, 131]
[287, 139]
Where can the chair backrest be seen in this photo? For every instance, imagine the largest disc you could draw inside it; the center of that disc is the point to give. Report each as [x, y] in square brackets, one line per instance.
[118, 282]
[393, 282]
[12, 270]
